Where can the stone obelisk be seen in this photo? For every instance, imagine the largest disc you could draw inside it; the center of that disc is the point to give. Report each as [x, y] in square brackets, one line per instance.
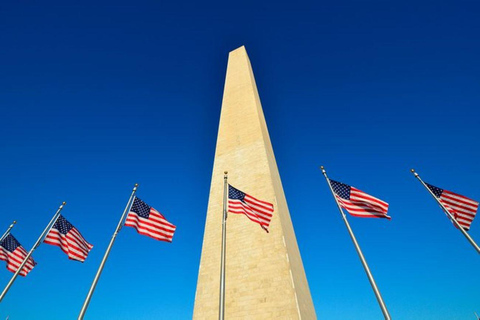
[265, 278]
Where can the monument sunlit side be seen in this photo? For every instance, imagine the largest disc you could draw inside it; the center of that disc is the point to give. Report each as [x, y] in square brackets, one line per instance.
[265, 278]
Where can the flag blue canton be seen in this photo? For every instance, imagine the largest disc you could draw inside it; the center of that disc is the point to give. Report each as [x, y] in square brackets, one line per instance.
[234, 193]
[62, 225]
[10, 243]
[436, 191]
[341, 189]
[141, 208]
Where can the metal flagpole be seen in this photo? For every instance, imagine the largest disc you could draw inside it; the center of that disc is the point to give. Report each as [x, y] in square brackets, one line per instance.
[448, 213]
[221, 312]
[35, 246]
[383, 307]
[105, 257]
[8, 230]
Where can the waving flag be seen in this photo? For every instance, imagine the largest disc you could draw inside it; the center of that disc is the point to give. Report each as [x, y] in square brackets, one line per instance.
[461, 208]
[358, 203]
[13, 253]
[64, 235]
[256, 210]
[148, 221]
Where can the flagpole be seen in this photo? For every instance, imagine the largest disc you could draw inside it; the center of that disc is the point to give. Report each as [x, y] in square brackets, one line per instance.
[105, 257]
[35, 246]
[448, 213]
[221, 312]
[8, 230]
[383, 307]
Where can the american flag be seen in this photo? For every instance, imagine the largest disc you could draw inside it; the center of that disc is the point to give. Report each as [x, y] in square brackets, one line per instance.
[148, 221]
[256, 210]
[358, 203]
[13, 253]
[461, 208]
[64, 235]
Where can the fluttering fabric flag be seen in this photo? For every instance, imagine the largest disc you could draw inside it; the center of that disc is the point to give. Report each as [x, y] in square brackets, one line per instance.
[463, 209]
[13, 253]
[256, 210]
[148, 221]
[358, 203]
[64, 235]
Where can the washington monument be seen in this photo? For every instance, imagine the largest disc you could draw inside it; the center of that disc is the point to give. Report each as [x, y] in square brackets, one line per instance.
[265, 278]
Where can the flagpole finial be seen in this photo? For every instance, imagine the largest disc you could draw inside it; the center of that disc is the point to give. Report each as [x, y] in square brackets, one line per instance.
[14, 221]
[414, 173]
[136, 185]
[225, 172]
[64, 203]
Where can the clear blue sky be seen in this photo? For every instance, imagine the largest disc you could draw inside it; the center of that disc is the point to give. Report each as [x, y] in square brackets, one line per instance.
[100, 95]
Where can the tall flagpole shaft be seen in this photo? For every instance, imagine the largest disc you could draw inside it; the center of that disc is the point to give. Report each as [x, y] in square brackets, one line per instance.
[105, 256]
[8, 230]
[383, 307]
[448, 213]
[221, 309]
[35, 246]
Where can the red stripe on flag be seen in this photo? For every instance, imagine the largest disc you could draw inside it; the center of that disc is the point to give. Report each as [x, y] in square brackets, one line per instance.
[258, 211]
[156, 226]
